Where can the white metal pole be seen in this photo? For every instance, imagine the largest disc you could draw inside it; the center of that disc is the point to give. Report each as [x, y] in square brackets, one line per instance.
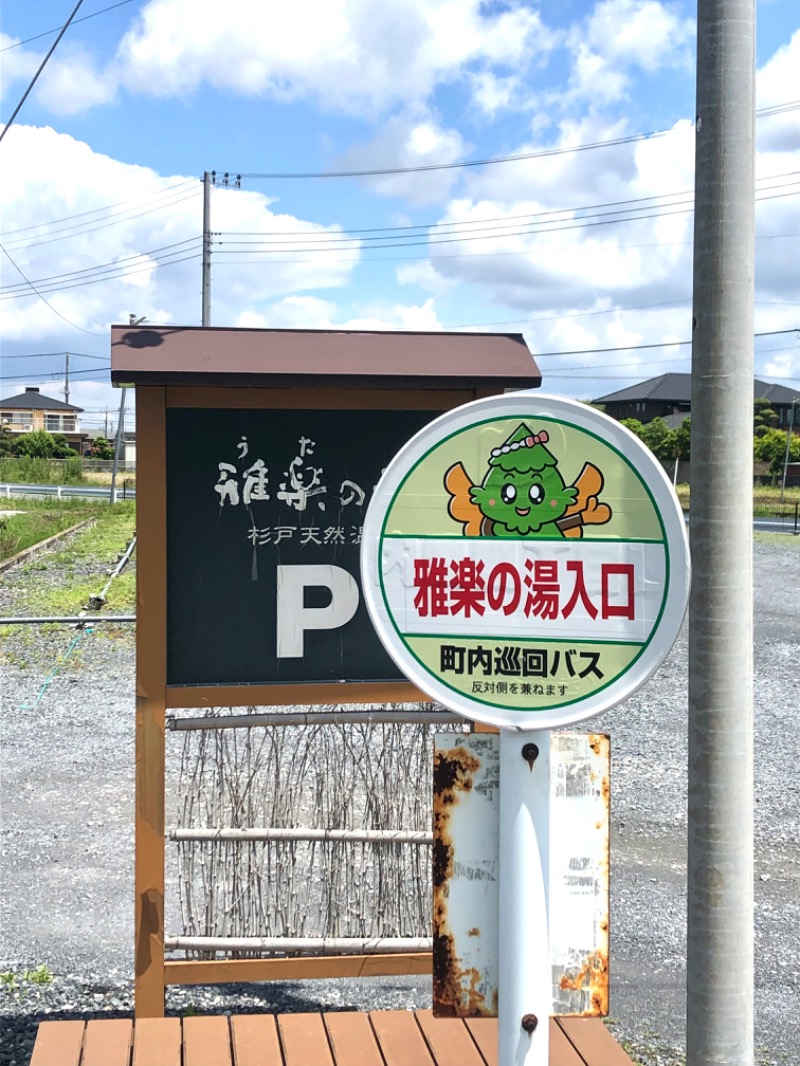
[525, 989]
[720, 818]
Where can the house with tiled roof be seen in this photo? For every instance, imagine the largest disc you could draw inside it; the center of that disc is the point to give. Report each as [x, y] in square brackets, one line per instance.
[669, 397]
[31, 410]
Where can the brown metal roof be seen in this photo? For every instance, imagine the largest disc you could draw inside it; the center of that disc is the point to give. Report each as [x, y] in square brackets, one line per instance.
[149, 355]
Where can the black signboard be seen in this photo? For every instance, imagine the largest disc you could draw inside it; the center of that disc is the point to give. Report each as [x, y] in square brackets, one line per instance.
[264, 517]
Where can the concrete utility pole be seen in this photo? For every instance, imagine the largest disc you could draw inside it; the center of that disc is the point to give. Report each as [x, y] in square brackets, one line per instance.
[112, 498]
[789, 432]
[720, 860]
[206, 308]
[66, 377]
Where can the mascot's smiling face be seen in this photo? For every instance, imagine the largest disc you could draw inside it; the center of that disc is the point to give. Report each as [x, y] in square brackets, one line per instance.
[523, 490]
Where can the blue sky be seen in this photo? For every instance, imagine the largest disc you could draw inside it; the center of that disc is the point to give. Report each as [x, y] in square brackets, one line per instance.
[100, 177]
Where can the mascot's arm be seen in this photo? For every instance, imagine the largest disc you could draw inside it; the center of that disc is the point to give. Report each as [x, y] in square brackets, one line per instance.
[461, 508]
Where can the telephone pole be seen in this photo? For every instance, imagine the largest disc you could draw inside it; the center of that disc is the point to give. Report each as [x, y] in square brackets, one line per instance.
[66, 377]
[206, 298]
[719, 1019]
[227, 181]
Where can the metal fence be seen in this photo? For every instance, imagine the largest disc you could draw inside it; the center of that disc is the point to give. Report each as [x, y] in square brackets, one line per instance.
[772, 516]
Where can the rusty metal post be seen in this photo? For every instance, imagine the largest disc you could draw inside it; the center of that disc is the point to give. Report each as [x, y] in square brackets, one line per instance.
[720, 815]
[525, 988]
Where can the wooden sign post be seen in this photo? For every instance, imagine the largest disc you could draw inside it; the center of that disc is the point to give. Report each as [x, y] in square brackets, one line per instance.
[258, 454]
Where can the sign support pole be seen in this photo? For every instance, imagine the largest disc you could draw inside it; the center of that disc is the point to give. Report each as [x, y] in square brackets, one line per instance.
[525, 999]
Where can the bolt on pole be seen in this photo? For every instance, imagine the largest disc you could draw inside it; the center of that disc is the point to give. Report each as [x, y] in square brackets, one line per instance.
[720, 814]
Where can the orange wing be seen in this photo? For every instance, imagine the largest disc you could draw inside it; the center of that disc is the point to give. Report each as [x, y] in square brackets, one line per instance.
[458, 483]
[587, 509]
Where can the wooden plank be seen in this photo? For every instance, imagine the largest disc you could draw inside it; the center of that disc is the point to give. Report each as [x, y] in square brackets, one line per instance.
[352, 1039]
[187, 696]
[107, 1042]
[304, 1040]
[322, 397]
[484, 1033]
[593, 1042]
[157, 1042]
[58, 1044]
[562, 1053]
[449, 1040]
[151, 675]
[255, 1040]
[220, 971]
[207, 1041]
[400, 1038]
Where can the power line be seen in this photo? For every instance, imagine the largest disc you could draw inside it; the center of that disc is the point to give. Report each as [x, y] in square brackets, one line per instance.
[56, 374]
[110, 276]
[47, 33]
[520, 156]
[505, 218]
[42, 65]
[90, 227]
[492, 234]
[104, 267]
[52, 355]
[97, 210]
[94, 333]
[98, 271]
[643, 347]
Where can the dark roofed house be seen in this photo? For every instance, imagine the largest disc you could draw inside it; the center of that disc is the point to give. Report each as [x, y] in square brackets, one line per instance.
[669, 397]
[32, 410]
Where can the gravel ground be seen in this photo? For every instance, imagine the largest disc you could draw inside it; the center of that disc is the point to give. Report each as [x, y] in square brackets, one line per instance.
[67, 840]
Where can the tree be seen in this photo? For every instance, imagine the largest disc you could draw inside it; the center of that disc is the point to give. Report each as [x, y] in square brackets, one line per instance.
[764, 418]
[634, 425]
[6, 440]
[659, 439]
[63, 450]
[101, 449]
[36, 445]
[771, 448]
[683, 438]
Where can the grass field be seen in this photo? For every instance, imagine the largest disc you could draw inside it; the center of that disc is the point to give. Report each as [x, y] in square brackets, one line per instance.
[766, 499]
[41, 519]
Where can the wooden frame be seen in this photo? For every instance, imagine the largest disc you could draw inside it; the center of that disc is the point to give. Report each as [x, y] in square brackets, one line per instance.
[177, 367]
[153, 972]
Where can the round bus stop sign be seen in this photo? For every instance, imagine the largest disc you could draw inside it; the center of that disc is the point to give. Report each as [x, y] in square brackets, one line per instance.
[525, 561]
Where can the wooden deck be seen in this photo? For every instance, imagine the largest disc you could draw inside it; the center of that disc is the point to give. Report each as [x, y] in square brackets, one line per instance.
[383, 1038]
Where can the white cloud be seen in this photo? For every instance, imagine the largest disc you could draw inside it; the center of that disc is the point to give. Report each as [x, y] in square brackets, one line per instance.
[152, 237]
[358, 56]
[647, 33]
[73, 83]
[622, 35]
[309, 312]
[492, 94]
[568, 260]
[424, 274]
[18, 64]
[779, 83]
[409, 141]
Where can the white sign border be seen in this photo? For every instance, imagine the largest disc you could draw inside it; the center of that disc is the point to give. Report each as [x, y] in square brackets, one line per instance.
[530, 405]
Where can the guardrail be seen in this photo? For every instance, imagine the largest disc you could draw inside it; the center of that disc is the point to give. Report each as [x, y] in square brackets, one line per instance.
[123, 492]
